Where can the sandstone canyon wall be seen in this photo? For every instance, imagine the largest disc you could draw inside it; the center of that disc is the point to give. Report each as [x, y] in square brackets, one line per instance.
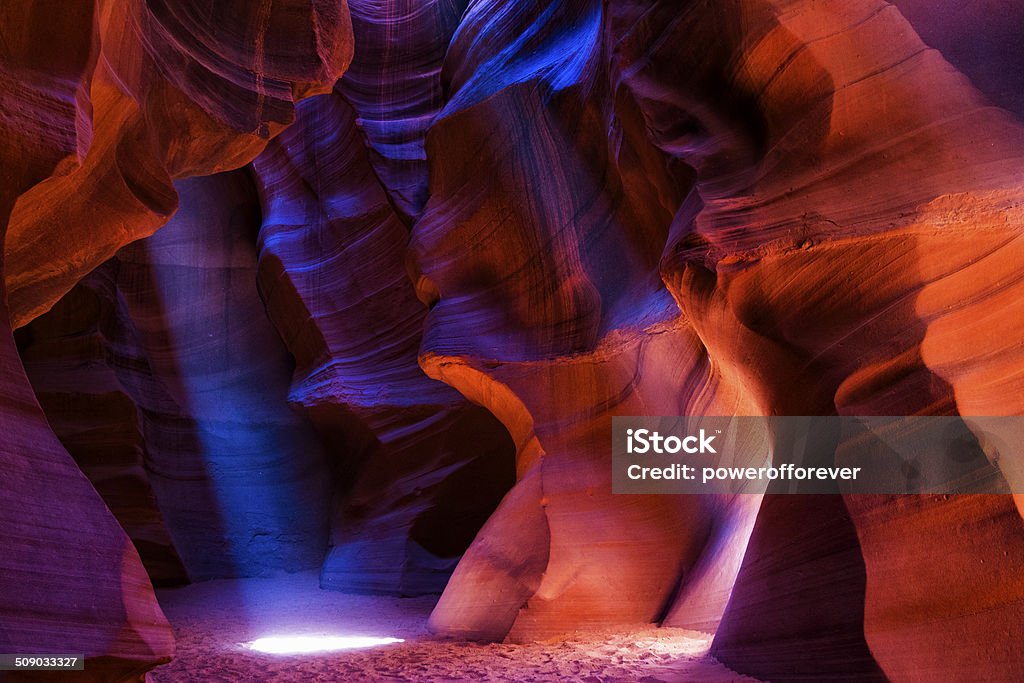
[392, 347]
[93, 133]
[243, 482]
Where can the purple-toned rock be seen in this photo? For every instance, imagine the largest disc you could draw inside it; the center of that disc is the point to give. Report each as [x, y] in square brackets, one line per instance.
[91, 377]
[419, 468]
[70, 580]
[241, 480]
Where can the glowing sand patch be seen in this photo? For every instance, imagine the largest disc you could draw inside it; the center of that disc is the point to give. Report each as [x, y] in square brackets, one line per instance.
[288, 645]
[677, 646]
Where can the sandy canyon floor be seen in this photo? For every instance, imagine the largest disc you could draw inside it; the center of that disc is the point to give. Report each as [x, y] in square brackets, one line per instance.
[215, 623]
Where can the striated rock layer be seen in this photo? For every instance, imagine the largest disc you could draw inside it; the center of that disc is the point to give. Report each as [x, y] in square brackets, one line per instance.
[538, 252]
[163, 376]
[92, 380]
[420, 469]
[93, 132]
[241, 480]
[795, 248]
[394, 88]
[181, 88]
[70, 580]
[817, 190]
[506, 224]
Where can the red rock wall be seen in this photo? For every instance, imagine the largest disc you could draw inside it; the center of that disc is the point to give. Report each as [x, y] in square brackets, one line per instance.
[555, 319]
[851, 181]
[93, 381]
[52, 521]
[566, 211]
[841, 175]
[333, 276]
[93, 132]
[182, 88]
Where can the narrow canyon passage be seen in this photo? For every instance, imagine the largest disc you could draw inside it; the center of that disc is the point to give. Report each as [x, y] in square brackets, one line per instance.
[342, 325]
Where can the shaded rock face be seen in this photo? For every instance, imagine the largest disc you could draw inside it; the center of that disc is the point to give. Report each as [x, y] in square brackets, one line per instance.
[90, 375]
[242, 481]
[105, 607]
[419, 467]
[164, 377]
[184, 378]
[92, 133]
[982, 40]
[505, 224]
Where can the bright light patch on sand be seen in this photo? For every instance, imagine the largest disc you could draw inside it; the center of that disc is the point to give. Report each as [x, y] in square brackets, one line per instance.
[697, 645]
[288, 645]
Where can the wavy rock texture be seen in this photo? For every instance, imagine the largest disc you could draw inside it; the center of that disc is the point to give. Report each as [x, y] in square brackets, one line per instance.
[163, 376]
[394, 87]
[92, 379]
[981, 40]
[555, 319]
[421, 468]
[563, 211]
[182, 88]
[244, 486]
[92, 134]
[853, 182]
[69, 577]
[845, 181]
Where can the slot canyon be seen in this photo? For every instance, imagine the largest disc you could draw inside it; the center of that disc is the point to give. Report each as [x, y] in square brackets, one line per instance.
[316, 315]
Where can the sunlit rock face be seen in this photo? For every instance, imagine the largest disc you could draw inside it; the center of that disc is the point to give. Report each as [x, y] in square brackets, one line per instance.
[538, 252]
[102, 104]
[176, 88]
[833, 243]
[505, 224]
[817, 191]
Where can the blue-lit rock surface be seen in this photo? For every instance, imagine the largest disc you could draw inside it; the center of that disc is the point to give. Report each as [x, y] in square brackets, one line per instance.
[391, 347]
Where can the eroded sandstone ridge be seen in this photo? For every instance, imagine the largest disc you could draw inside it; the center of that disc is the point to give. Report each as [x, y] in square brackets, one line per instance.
[102, 105]
[178, 88]
[502, 225]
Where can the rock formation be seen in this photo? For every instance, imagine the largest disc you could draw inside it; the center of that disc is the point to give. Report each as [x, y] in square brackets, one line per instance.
[92, 134]
[789, 173]
[92, 379]
[243, 481]
[180, 88]
[556, 319]
[420, 468]
[175, 339]
[102, 604]
[505, 224]
[820, 191]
